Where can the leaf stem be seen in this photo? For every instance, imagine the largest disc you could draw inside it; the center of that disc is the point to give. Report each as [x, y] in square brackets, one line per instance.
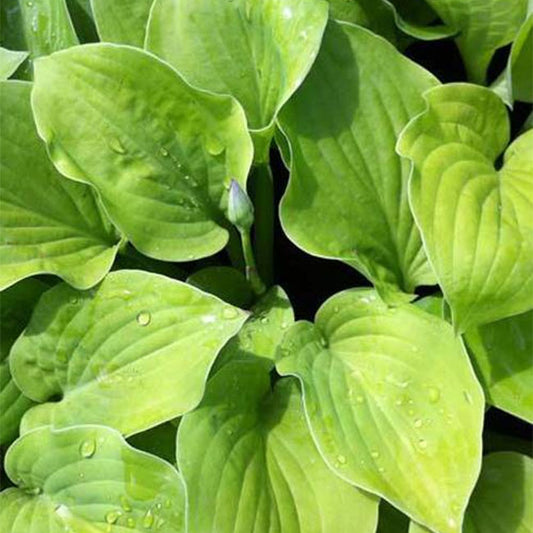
[251, 268]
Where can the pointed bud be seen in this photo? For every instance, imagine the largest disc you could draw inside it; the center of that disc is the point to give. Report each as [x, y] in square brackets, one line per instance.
[240, 207]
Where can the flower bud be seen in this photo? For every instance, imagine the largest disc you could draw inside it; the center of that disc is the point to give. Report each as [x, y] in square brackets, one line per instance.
[240, 207]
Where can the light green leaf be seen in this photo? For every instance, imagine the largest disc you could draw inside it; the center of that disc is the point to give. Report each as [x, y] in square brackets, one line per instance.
[48, 224]
[502, 353]
[260, 336]
[483, 26]
[475, 221]
[16, 304]
[503, 498]
[88, 479]
[158, 151]
[516, 81]
[347, 196]
[250, 464]
[46, 27]
[10, 61]
[258, 52]
[391, 392]
[122, 21]
[227, 283]
[98, 349]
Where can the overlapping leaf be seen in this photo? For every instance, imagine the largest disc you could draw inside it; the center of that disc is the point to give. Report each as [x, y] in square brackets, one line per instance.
[250, 463]
[483, 26]
[258, 52]
[10, 61]
[393, 403]
[87, 478]
[503, 498]
[503, 355]
[122, 21]
[131, 354]
[48, 223]
[475, 220]
[16, 304]
[159, 152]
[347, 196]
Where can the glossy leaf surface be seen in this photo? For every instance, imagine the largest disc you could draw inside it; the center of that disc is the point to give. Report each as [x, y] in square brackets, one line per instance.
[347, 196]
[258, 52]
[393, 403]
[88, 479]
[131, 354]
[48, 223]
[502, 353]
[10, 61]
[159, 152]
[475, 220]
[250, 445]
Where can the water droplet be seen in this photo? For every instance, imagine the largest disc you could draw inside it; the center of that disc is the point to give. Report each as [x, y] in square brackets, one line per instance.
[341, 459]
[144, 318]
[422, 444]
[209, 319]
[323, 342]
[148, 520]
[159, 523]
[112, 516]
[452, 522]
[434, 394]
[374, 454]
[74, 300]
[163, 151]
[158, 506]
[214, 145]
[125, 504]
[116, 145]
[168, 504]
[87, 448]
[418, 423]
[35, 491]
[230, 313]
[411, 412]
[467, 396]
[130, 522]
[29, 4]
[264, 320]
[284, 325]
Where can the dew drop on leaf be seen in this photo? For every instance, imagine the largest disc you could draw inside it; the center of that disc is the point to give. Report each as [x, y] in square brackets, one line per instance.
[148, 520]
[163, 151]
[434, 394]
[116, 145]
[229, 313]
[87, 448]
[125, 504]
[374, 454]
[214, 145]
[467, 396]
[418, 423]
[144, 318]
[422, 444]
[112, 516]
[341, 459]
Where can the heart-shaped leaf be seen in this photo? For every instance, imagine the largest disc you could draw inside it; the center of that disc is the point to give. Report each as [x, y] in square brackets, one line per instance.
[250, 446]
[122, 21]
[347, 196]
[158, 151]
[482, 26]
[258, 52]
[48, 224]
[88, 479]
[16, 304]
[502, 354]
[475, 221]
[503, 498]
[131, 353]
[10, 61]
[393, 403]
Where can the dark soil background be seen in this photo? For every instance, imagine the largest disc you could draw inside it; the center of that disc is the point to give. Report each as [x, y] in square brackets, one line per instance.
[309, 280]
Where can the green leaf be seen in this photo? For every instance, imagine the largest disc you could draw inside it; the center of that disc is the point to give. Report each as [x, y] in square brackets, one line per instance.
[258, 52]
[16, 304]
[347, 196]
[503, 498]
[227, 283]
[475, 221]
[516, 81]
[46, 27]
[135, 332]
[10, 61]
[391, 392]
[482, 26]
[82, 17]
[250, 464]
[158, 151]
[502, 354]
[88, 479]
[122, 21]
[260, 336]
[49, 224]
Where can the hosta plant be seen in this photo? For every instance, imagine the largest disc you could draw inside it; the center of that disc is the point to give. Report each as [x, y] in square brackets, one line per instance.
[266, 266]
